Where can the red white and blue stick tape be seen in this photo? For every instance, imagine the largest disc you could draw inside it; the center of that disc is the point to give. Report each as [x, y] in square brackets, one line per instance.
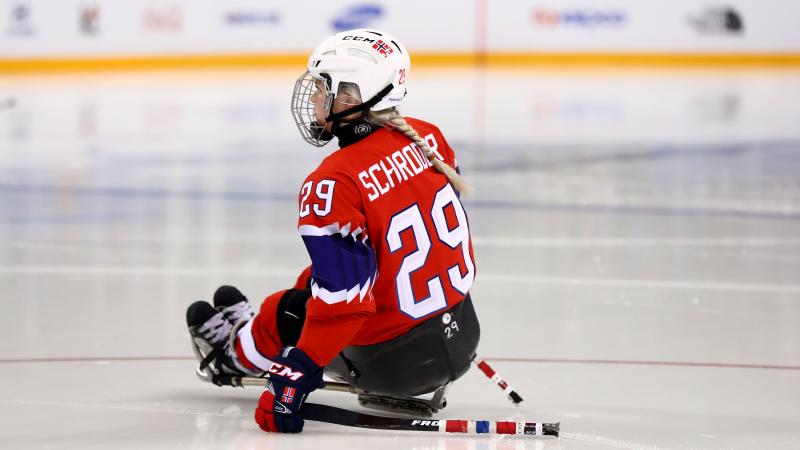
[490, 427]
[494, 376]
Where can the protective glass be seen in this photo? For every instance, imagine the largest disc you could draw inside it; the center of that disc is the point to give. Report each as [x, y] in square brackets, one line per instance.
[311, 102]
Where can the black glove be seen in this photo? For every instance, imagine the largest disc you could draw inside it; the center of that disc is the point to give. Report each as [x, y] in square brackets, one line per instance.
[292, 377]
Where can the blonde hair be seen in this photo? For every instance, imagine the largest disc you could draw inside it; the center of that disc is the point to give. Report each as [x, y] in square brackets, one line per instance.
[390, 118]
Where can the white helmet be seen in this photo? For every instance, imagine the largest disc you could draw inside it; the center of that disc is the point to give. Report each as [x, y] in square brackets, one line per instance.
[374, 61]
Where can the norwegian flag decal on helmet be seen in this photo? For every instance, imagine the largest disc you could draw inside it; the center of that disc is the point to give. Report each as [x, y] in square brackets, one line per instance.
[383, 48]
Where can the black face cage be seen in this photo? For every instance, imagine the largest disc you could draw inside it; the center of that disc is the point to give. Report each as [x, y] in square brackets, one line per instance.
[303, 109]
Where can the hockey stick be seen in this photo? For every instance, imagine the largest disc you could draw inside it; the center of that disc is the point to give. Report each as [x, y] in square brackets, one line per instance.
[339, 416]
[494, 376]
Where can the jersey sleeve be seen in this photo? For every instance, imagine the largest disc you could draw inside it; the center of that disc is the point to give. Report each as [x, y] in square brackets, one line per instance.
[332, 225]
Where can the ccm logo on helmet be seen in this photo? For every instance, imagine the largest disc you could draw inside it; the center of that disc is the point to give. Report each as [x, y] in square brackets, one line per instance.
[358, 38]
[283, 371]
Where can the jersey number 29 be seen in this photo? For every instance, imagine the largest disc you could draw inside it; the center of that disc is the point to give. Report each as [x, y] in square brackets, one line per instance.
[458, 236]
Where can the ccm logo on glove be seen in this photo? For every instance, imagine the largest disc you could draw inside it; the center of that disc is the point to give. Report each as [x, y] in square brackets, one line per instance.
[283, 371]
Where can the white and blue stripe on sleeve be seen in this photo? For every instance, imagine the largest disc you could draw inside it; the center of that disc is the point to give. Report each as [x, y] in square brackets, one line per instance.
[343, 265]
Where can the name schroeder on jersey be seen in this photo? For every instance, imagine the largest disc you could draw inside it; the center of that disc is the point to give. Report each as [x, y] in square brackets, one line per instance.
[397, 167]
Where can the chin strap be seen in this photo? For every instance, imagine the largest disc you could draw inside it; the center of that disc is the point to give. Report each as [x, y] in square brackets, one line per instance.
[336, 117]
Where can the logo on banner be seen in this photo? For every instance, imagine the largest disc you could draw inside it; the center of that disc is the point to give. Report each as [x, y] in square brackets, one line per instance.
[579, 18]
[89, 19]
[252, 18]
[358, 16]
[718, 20]
[169, 19]
[20, 22]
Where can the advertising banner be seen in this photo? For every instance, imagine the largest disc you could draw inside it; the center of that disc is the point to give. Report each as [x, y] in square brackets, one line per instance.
[114, 28]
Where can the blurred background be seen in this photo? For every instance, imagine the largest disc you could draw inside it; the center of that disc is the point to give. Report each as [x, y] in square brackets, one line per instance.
[636, 215]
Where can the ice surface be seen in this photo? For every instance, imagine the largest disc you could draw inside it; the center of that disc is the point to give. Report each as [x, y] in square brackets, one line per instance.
[637, 236]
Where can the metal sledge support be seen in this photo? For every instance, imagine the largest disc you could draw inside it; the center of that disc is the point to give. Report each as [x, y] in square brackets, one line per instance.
[406, 404]
[386, 402]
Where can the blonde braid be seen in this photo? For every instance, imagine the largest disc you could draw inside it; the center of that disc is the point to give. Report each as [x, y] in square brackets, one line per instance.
[399, 123]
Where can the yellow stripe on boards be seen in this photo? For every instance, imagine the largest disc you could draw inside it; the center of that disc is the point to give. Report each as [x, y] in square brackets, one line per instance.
[9, 65]
[150, 62]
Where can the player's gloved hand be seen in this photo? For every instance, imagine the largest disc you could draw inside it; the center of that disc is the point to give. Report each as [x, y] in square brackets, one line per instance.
[292, 377]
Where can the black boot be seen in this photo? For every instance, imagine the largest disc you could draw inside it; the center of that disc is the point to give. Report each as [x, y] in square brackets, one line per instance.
[233, 304]
[211, 341]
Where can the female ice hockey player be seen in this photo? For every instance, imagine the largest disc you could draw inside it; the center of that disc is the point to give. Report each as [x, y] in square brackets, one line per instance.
[385, 304]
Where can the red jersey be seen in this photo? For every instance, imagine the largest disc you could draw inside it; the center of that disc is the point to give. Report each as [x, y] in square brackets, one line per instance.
[388, 238]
